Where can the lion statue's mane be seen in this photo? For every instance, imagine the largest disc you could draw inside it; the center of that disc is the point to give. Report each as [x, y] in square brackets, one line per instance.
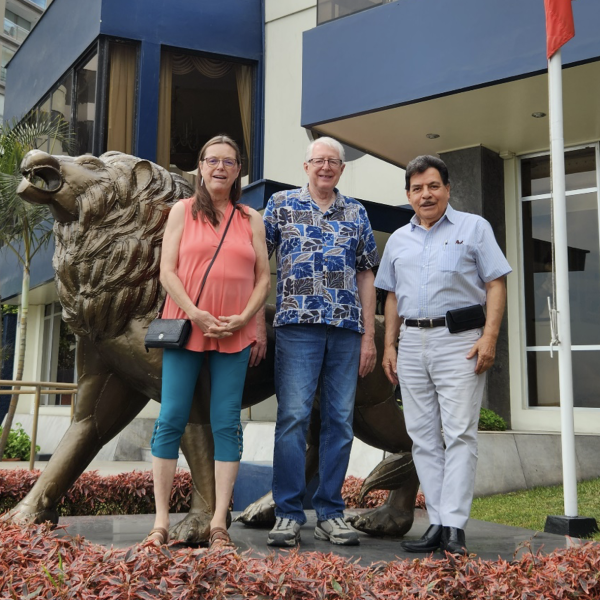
[107, 262]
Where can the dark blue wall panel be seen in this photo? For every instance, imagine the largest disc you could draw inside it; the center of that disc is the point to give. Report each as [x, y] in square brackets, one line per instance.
[232, 28]
[229, 27]
[63, 33]
[11, 271]
[147, 102]
[411, 50]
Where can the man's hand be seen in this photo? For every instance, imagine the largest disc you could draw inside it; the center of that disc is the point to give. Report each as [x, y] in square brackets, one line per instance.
[485, 349]
[259, 350]
[368, 355]
[389, 363]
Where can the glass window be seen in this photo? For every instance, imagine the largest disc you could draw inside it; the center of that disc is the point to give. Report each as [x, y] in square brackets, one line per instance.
[42, 143]
[85, 78]
[200, 98]
[579, 169]
[60, 105]
[583, 242]
[7, 54]
[58, 357]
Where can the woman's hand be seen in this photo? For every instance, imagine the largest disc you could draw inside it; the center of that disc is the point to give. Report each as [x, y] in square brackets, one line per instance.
[231, 323]
[209, 325]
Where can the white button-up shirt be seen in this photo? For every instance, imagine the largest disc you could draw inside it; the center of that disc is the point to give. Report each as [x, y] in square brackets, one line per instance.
[442, 268]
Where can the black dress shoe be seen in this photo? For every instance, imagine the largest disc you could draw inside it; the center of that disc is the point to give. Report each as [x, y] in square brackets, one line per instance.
[429, 542]
[453, 541]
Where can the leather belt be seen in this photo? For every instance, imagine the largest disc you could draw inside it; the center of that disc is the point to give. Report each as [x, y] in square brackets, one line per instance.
[426, 323]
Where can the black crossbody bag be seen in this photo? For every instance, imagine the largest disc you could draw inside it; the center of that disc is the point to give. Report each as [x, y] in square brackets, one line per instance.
[174, 333]
[463, 319]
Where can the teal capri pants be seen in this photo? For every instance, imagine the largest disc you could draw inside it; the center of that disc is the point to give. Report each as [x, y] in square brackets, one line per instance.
[179, 375]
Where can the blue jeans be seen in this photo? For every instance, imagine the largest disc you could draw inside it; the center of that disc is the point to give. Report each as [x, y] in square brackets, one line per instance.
[307, 357]
[181, 368]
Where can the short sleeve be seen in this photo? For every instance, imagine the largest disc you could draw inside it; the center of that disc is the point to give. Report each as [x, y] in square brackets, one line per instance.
[491, 262]
[271, 225]
[367, 255]
[386, 276]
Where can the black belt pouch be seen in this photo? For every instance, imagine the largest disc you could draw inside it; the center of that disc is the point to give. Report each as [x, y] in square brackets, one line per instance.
[463, 319]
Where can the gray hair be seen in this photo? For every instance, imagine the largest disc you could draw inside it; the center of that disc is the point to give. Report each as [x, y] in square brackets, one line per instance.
[327, 141]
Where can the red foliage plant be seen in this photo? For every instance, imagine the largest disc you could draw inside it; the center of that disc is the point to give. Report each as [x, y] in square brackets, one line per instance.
[36, 562]
[93, 494]
[132, 493]
[375, 498]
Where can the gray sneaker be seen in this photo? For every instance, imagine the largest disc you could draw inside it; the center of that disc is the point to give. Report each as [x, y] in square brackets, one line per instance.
[285, 533]
[337, 531]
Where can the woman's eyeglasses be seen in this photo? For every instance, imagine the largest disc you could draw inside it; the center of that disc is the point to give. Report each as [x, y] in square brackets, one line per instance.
[228, 163]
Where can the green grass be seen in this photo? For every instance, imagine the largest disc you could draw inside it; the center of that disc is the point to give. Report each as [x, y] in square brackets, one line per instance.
[530, 508]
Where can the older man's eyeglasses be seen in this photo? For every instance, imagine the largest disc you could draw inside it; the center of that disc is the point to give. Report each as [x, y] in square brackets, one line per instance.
[334, 163]
[213, 161]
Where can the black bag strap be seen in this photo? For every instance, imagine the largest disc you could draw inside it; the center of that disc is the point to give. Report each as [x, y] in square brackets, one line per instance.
[215, 255]
[162, 306]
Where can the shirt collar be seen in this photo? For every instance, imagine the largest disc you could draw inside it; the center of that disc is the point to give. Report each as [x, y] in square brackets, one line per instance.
[449, 214]
[337, 203]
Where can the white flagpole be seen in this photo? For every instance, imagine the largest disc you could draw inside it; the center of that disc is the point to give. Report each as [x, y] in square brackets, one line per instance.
[565, 367]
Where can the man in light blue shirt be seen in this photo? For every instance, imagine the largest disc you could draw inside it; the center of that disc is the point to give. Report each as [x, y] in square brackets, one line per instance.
[441, 261]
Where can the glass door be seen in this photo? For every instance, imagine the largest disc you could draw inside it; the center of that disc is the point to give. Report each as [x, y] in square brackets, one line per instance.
[584, 276]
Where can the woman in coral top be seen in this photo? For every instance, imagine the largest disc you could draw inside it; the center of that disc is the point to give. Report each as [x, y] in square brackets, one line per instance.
[223, 323]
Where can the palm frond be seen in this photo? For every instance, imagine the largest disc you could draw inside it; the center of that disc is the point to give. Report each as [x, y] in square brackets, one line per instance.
[18, 219]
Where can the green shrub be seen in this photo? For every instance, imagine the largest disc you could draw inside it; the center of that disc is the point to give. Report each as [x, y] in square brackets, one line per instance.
[18, 444]
[490, 421]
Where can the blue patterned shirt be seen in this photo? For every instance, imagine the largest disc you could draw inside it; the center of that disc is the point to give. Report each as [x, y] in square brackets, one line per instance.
[436, 270]
[318, 256]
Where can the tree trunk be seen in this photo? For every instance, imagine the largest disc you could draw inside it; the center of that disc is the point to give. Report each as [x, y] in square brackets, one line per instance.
[21, 360]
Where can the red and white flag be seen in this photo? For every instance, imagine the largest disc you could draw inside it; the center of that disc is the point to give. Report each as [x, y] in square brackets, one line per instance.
[560, 27]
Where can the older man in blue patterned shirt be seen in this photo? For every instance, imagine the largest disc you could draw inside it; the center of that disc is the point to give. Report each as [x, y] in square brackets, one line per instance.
[441, 261]
[324, 337]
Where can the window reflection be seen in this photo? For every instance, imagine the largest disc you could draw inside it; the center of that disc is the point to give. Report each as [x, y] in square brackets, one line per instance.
[86, 106]
[543, 379]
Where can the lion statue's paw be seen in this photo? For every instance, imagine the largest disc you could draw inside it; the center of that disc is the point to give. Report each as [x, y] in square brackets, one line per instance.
[383, 521]
[259, 513]
[27, 514]
[193, 529]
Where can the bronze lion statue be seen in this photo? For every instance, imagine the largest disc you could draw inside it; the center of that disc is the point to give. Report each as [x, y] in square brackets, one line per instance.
[110, 213]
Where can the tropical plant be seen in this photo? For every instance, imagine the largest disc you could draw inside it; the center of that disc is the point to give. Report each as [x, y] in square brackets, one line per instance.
[18, 444]
[490, 421]
[25, 228]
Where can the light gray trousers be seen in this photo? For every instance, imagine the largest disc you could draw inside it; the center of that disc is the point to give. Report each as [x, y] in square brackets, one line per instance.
[440, 390]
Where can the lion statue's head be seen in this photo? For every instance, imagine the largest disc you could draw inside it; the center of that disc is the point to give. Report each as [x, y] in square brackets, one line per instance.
[110, 213]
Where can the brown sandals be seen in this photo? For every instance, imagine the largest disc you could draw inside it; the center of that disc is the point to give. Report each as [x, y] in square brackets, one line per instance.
[219, 538]
[158, 536]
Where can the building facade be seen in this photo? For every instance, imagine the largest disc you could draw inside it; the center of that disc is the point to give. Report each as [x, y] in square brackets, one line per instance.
[19, 18]
[468, 83]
